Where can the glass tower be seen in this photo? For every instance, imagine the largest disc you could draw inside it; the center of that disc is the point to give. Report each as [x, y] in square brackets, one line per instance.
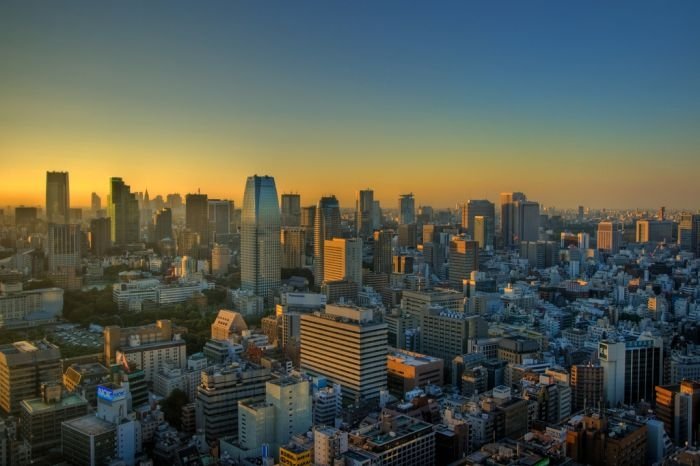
[260, 237]
[326, 226]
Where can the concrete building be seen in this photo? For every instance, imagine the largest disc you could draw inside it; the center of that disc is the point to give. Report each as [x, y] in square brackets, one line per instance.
[220, 259]
[147, 347]
[293, 241]
[689, 232]
[123, 210]
[100, 238]
[382, 256]
[587, 386]
[219, 217]
[291, 210]
[464, 259]
[88, 441]
[407, 209]
[41, 418]
[163, 220]
[479, 208]
[342, 260]
[407, 370]
[20, 308]
[396, 440]
[678, 407]
[64, 247]
[609, 237]
[364, 203]
[222, 387]
[600, 439]
[654, 231]
[57, 197]
[329, 445]
[326, 226]
[197, 216]
[346, 345]
[24, 366]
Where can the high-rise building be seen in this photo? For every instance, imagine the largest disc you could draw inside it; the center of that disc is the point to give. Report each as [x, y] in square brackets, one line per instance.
[477, 207]
[527, 221]
[342, 260]
[24, 366]
[220, 259]
[164, 224]
[88, 440]
[364, 203]
[348, 346]
[57, 197]
[407, 209]
[326, 226]
[197, 216]
[124, 211]
[509, 213]
[377, 221]
[482, 228]
[219, 217]
[689, 233]
[408, 235]
[678, 407]
[599, 439]
[407, 370]
[609, 237]
[293, 240]
[260, 237]
[25, 216]
[654, 231]
[219, 392]
[291, 210]
[64, 247]
[382, 251]
[631, 369]
[100, 241]
[587, 388]
[464, 259]
[95, 202]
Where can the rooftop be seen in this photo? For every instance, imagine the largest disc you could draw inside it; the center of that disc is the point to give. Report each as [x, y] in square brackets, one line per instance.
[89, 425]
[37, 405]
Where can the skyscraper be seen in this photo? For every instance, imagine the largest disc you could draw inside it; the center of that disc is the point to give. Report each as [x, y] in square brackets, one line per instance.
[357, 339]
[124, 212]
[464, 259]
[482, 228]
[57, 197]
[364, 203]
[477, 207]
[508, 215]
[382, 251]
[291, 210]
[219, 217]
[407, 209]
[326, 226]
[164, 224]
[527, 221]
[95, 202]
[342, 260]
[689, 232]
[100, 235]
[197, 216]
[64, 247]
[609, 237]
[293, 247]
[260, 237]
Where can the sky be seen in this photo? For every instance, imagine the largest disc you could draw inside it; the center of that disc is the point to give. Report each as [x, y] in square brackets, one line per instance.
[594, 103]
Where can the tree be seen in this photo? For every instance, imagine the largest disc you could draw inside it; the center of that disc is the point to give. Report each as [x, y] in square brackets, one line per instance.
[172, 407]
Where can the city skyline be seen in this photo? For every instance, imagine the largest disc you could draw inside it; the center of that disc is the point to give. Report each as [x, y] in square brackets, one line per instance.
[583, 105]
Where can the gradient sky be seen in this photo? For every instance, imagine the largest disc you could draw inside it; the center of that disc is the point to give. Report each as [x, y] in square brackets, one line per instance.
[594, 103]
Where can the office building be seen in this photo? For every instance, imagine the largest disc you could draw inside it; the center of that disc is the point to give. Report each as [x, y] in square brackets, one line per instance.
[64, 247]
[342, 260]
[407, 370]
[445, 333]
[24, 366]
[260, 237]
[285, 412]
[220, 259]
[407, 209]
[57, 197]
[100, 236]
[293, 242]
[654, 231]
[95, 202]
[482, 228]
[587, 386]
[123, 209]
[163, 224]
[25, 308]
[348, 346]
[147, 347]
[219, 217]
[678, 407]
[291, 210]
[197, 216]
[221, 389]
[326, 226]
[364, 203]
[609, 237]
[25, 216]
[689, 232]
[83, 380]
[396, 440]
[540, 254]
[631, 369]
[509, 215]
[408, 235]
[478, 208]
[600, 439]
[464, 259]
[527, 221]
[382, 251]
[41, 418]
[377, 217]
[88, 441]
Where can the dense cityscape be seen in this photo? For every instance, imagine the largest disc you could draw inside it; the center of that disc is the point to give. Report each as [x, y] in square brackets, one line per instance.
[170, 329]
[368, 233]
